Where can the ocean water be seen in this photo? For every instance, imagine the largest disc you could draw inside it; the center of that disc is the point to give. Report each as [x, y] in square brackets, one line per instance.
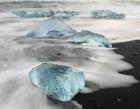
[101, 67]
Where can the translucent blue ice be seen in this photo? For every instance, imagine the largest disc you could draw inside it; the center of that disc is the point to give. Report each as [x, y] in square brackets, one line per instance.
[89, 39]
[107, 14]
[33, 13]
[65, 14]
[51, 28]
[29, 13]
[58, 81]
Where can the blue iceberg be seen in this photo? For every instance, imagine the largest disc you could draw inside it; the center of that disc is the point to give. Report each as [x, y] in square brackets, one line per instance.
[89, 39]
[30, 13]
[65, 14]
[107, 14]
[59, 82]
[51, 28]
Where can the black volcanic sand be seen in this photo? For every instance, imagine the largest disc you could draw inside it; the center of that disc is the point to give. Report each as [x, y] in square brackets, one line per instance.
[118, 98]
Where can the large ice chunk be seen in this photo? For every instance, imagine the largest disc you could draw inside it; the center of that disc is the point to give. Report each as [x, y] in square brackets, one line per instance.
[89, 39]
[30, 13]
[58, 81]
[51, 28]
[107, 14]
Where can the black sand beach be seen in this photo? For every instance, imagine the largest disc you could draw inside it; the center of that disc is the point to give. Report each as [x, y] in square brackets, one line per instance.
[17, 94]
[118, 98]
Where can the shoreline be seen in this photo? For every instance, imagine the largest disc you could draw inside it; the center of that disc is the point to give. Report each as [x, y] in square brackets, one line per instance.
[118, 98]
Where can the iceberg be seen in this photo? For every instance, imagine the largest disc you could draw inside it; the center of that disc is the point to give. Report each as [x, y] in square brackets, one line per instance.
[65, 14]
[107, 14]
[30, 13]
[89, 39]
[51, 28]
[59, 82]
